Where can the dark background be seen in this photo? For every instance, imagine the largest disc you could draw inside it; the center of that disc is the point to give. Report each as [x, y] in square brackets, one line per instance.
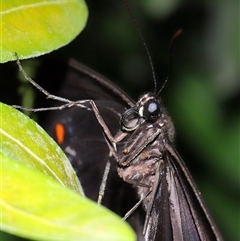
[202, 95]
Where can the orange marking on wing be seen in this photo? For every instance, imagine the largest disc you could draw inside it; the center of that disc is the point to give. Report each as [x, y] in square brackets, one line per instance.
[60, 133]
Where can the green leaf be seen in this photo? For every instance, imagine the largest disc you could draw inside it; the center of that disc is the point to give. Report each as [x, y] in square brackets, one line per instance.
[37, 207]
[35, 27]
[25, 141]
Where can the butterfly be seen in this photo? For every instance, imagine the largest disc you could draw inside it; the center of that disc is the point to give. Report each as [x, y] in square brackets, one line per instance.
[138, 139]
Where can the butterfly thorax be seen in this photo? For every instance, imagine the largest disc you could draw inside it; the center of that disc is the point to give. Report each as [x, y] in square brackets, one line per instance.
[140, 152]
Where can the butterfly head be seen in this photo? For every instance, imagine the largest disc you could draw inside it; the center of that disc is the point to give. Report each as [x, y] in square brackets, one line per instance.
[147, 109]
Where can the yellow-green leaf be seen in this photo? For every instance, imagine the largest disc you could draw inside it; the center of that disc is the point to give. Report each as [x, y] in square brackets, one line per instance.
[35, 27]
[37, 207]
[25, 141]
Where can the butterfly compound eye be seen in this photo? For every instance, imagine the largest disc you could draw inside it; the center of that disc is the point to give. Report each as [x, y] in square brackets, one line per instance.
[149, 106]
[151, 110]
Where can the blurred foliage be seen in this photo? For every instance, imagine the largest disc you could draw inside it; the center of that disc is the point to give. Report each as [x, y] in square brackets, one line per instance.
[51, 19]
[202, 94]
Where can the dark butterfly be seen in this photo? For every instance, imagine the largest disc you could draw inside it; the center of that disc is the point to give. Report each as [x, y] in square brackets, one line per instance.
[144, 153]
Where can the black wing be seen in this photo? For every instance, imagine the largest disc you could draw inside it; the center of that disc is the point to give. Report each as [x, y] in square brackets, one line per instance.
[84, 143]
[84, 83]
[178, 211]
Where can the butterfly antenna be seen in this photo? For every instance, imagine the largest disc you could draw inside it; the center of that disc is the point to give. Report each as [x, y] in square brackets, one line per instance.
[144, 44]
[171, 58]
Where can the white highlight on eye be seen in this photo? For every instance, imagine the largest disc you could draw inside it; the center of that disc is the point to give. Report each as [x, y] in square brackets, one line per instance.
[152, 107]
